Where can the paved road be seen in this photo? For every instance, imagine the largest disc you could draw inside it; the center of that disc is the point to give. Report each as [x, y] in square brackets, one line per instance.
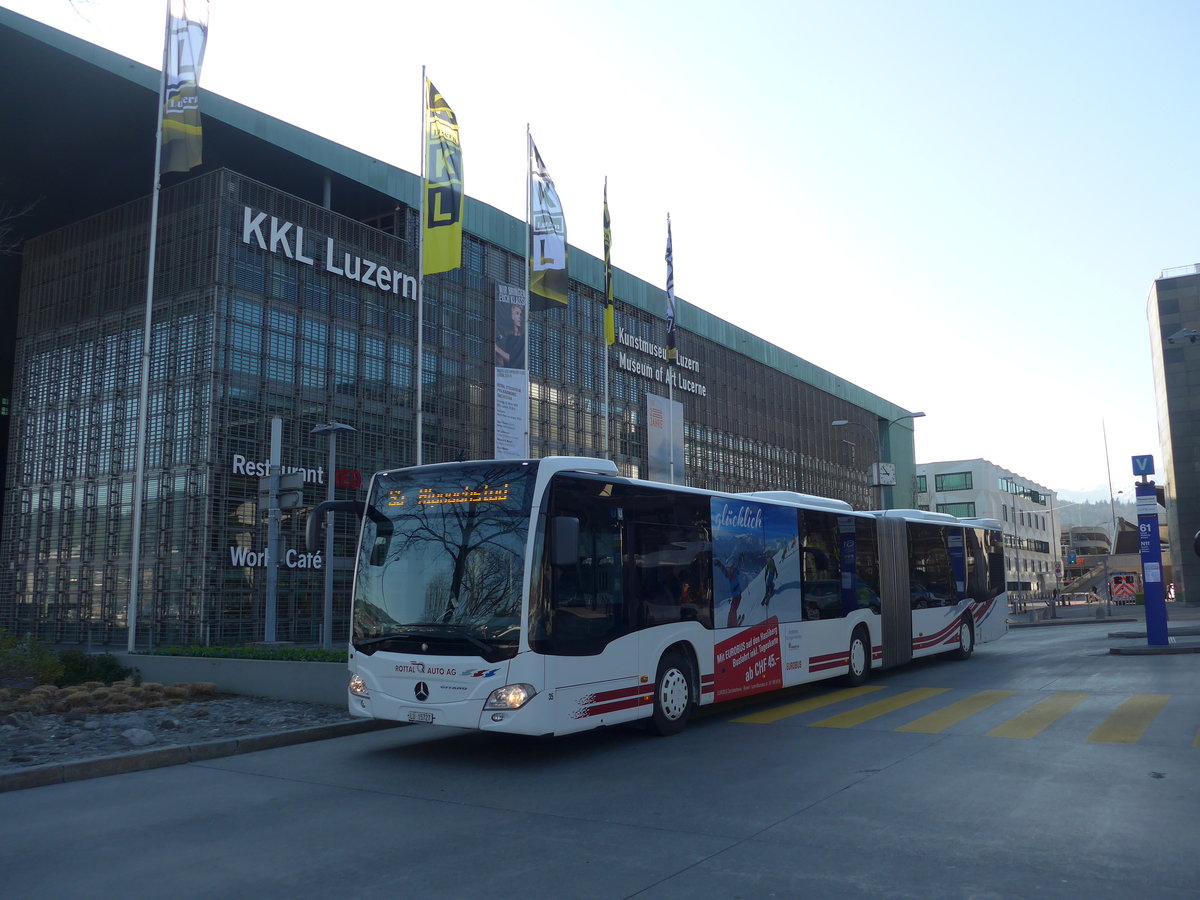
[1043, 767]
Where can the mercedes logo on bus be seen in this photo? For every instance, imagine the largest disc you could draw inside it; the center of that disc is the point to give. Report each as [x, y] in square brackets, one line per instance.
[421, 691]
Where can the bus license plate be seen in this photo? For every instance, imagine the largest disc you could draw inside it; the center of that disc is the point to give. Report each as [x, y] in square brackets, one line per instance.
[426, 717]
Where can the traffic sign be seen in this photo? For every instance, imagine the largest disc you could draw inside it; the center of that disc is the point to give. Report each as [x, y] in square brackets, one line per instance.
[291, 491]
[1143, 465]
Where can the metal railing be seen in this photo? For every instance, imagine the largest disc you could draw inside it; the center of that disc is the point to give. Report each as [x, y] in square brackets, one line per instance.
[1180, 271]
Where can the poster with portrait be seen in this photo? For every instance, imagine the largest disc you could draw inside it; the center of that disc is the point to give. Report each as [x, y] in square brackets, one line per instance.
[510, 327]
[511, 401]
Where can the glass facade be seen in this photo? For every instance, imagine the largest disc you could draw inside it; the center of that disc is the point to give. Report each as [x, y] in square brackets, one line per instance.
[270, 306]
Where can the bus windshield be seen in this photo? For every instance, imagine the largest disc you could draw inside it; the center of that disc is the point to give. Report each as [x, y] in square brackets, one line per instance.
[441, 560]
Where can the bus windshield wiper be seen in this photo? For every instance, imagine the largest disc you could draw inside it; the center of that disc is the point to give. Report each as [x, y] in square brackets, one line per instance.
[420, 634]
[379, 639]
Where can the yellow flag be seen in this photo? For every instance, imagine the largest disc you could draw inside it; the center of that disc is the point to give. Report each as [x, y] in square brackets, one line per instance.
[442, 202]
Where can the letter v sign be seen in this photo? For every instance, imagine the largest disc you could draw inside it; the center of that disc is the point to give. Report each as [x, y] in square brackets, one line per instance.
[1143, 465]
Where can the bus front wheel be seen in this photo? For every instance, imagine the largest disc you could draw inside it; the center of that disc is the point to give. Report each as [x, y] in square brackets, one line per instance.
[860, 657]
[673, 699]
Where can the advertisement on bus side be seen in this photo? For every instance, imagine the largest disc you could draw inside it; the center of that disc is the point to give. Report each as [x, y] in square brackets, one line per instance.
[756, 582]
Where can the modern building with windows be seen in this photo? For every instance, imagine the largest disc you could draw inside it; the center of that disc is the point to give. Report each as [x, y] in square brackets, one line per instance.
[1173, 312]
[979, 488]
[286, 289]
[1081, 546]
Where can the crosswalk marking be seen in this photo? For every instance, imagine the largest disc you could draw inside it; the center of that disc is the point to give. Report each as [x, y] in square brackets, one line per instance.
[802, 706]
[879, 708]
[1039, 717]
[1127, 724]
[1130, 721]
[939, 721]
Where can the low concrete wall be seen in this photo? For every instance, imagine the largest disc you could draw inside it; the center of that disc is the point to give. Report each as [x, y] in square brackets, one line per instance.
[309, 682]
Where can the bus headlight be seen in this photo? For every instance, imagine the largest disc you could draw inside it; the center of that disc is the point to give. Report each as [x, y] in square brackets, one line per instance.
[511, 696]
[358, 687]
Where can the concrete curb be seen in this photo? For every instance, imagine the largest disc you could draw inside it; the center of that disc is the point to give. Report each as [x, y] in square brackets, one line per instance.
[1183, 631]
[1079, 620]
[1148, 650]
[61, 773]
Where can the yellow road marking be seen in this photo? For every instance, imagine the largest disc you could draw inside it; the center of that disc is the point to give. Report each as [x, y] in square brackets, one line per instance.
[1130, 721]
[956, 712]
[1039, 717]
[878, 708]
[802, 706]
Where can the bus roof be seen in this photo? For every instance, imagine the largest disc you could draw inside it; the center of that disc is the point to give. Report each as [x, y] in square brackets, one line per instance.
[917, 515]
[984, 523]
[799, 499]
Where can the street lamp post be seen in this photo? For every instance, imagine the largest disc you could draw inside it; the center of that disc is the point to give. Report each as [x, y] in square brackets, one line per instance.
[333, 429]
[878, 447]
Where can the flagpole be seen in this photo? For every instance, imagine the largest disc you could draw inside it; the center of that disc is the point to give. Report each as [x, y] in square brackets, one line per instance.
[139, 469]
[670, 372]
[421, 264]
[1113, 508]
[528, 263]
[607, 445]
[607, 353]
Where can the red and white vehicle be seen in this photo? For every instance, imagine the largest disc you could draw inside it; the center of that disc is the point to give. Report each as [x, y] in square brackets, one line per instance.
[552, 596]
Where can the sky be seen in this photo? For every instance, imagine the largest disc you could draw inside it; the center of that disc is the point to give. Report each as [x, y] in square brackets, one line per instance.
[960, 207]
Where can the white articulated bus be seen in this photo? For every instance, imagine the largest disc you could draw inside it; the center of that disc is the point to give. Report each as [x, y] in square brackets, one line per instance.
[551, 596]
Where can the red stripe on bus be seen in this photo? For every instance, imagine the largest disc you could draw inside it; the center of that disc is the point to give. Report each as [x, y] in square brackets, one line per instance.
[982, 609]
[940, 637]
[843, 656]
[832, 661]
[599, 709]
[615, 694]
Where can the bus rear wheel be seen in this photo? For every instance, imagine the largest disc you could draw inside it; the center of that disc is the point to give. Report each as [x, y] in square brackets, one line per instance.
[860, 657]
[966, 639]
[673, 695]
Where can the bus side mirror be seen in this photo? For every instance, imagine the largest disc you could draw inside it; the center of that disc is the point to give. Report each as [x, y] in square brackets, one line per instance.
[564, 541]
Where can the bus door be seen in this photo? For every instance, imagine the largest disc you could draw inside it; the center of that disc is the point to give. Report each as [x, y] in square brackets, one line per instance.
[985, 583]
[936, 569]
[590, 651]
[837, 597]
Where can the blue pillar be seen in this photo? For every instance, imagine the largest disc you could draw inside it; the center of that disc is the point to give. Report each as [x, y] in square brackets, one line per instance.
[1151, 552]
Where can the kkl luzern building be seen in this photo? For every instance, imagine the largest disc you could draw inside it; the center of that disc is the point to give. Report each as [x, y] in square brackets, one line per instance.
[286, 289]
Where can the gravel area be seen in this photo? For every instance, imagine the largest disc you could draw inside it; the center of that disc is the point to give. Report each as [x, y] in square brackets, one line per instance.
[34, 740]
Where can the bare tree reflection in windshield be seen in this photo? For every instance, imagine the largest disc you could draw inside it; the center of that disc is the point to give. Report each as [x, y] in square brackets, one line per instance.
[456, 554]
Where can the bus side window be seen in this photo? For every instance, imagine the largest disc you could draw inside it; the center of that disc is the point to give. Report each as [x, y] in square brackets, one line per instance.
[820, 561]
[667, 577]
[866, 565]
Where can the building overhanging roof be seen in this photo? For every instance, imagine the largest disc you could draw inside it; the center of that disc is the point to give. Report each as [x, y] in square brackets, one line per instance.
[80, 124]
